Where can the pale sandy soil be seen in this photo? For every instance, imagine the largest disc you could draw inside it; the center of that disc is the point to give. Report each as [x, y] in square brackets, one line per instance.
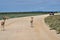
[20, 29]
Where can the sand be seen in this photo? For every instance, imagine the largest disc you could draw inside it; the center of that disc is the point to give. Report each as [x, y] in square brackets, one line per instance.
[20, 29]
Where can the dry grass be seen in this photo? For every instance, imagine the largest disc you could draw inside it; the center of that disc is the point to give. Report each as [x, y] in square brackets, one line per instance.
[54, 22]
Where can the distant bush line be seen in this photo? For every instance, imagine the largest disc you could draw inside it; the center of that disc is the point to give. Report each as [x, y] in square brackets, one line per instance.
[20, 14]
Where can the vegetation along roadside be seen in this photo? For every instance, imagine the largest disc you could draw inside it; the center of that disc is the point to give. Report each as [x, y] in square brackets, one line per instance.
[53, 22]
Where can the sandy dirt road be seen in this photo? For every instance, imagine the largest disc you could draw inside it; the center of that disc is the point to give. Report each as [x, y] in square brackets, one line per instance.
[20, 29]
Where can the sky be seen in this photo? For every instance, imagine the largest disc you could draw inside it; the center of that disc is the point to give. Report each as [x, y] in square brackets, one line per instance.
[29, 5]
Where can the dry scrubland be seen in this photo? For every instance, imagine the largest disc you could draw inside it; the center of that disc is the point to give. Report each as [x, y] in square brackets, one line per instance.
[53, 22]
